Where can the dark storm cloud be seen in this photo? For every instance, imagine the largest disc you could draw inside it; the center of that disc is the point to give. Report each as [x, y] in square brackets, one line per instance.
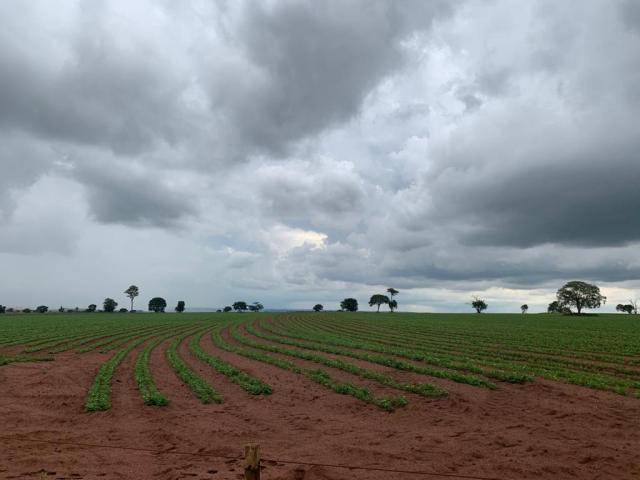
[309, 65]
[630, 14]
[107, 91]
[133, 198]
[318, 195]
[590, 201]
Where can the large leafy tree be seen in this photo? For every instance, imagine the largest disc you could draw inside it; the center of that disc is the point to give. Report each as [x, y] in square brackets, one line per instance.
[3, 309]
[318, 308]
[157, 304]
[349, 305]
[378, 300]
[92, 307]
[580, 295]
[132, 292]
[479, 304]
[393, 304]
[109, 305]
[180, 306]
[240, 306]
[227, 309]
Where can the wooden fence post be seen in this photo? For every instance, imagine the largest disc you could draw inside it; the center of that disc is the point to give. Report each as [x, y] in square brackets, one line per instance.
[252, 462]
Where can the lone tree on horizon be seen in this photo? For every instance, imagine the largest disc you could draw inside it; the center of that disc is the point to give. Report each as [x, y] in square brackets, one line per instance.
[318, 308]
[132, 292]
[180, 306]
[393, 304]
[580, 295]
[524, 308]
[349, 305]
[157, 304]
[479, 304]
[378, 300]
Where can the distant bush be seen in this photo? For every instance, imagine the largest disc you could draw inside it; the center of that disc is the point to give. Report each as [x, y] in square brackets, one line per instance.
[479, 304]
[42, 309]
[627, 308]
[227, 309]
[91, 308]
[180, 306]
[3, 309]
[157, 304]
[109, 305]
[240, 306]
[26, 310]
[349, 305]
[123, 310]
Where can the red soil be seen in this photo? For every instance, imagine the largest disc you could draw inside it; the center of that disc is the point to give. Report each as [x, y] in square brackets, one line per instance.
[543, 430]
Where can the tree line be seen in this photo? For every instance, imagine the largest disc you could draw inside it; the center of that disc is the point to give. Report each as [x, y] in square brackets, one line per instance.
[242, 306]
[109, 305]
[377, 299]
[575, 294]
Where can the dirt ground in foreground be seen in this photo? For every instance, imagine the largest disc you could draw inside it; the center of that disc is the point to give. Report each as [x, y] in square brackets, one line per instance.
[543, 430]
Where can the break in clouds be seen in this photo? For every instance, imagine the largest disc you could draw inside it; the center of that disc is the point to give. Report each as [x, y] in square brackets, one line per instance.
[296, 152]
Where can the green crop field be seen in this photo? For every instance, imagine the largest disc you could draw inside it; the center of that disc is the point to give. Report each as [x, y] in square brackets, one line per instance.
[485, 351]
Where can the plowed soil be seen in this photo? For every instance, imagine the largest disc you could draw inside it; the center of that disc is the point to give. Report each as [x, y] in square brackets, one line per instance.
[543, 430]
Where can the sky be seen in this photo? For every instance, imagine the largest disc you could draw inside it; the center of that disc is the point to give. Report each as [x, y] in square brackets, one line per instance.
[301, 152]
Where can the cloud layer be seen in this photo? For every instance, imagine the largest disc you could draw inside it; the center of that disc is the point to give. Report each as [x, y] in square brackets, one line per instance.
[300, 150]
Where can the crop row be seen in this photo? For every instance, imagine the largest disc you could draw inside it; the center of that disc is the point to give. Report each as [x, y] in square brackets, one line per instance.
[501, 350]
[386, 402]
[580, 373]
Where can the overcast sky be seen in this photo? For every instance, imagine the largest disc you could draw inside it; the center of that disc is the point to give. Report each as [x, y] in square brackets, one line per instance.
[297, 152]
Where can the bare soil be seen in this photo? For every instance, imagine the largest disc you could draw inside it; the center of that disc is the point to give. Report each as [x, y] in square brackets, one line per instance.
[543, 430]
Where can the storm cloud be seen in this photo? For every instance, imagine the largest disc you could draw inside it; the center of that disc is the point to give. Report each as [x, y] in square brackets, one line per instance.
[297, 151]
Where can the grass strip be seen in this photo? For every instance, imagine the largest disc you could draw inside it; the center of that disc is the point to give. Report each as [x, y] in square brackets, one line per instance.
[445, 361]
[197, 384]
[424, 389]
[558, 373]
[243, 379]
[6, 360]
[144, 379]
[99, 396]
[388, 403]
[378, 359]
